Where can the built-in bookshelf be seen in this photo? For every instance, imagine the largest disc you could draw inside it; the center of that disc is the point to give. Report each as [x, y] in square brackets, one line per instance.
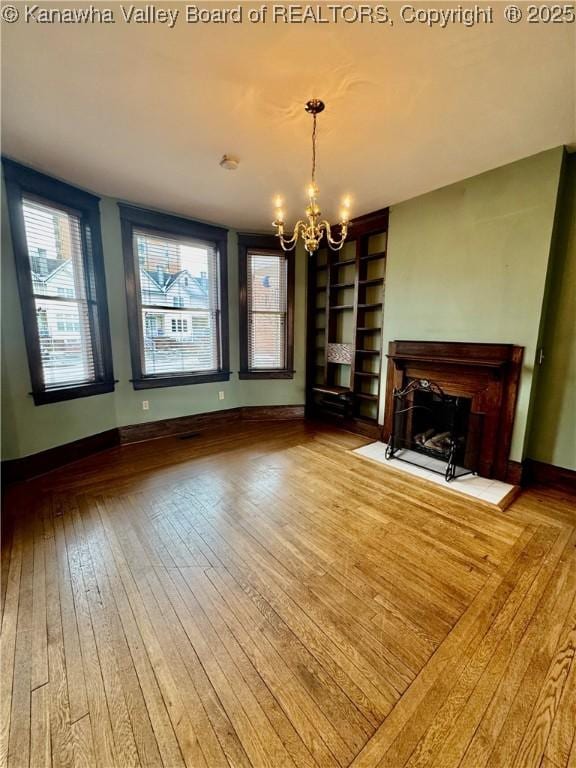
[345, 320]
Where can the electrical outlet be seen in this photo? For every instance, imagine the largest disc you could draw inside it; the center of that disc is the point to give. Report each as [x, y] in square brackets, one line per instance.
[145, 405]
[220, 395]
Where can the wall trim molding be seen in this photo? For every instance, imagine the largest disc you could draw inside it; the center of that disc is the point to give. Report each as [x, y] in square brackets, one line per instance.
[515, 472]
[28, 467]
[538, 472]
[152, 430]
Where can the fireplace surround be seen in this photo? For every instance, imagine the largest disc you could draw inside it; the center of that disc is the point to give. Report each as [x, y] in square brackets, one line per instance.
[487, 375]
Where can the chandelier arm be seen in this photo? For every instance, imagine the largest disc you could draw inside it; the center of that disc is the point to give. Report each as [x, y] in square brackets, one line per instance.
[334, 243]
[288, 243]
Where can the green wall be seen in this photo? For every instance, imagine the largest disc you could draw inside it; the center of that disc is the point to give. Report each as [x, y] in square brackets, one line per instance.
[468, 263]
[553, 428]
[27, 428]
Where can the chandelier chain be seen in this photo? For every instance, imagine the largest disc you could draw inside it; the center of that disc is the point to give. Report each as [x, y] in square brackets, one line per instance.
[314, 150]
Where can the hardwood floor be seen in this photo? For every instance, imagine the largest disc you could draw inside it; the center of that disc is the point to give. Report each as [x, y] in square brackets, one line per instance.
[263, 597]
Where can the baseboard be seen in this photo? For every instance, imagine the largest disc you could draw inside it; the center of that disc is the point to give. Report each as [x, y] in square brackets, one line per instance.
[538, 472]
[515, 473]
[271, 412]
[152, 430]
[16, 470]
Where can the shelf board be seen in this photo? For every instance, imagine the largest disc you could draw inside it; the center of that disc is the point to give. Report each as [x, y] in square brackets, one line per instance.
[370, 306]
[373, 256]
[340, 307]
[367, 351]
[373, 281]
[366, 396]
[343, 263]
[367, 374]
[342, 285]
[332, 390]
[368, 329]
[321, 287]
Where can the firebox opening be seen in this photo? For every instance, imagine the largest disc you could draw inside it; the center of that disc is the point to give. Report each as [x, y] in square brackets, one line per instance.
[439, 426]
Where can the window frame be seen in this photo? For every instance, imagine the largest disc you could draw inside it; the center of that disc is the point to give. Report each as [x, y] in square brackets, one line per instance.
[248, 243]
[166, 225]
[21, 181]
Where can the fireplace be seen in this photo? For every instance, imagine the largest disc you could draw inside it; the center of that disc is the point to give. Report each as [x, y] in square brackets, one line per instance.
[455, 402]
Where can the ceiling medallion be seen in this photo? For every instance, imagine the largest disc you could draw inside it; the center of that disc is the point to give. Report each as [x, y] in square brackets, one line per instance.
[312, 229]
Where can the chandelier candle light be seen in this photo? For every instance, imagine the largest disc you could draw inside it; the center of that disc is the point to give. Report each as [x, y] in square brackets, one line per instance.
[313, 228]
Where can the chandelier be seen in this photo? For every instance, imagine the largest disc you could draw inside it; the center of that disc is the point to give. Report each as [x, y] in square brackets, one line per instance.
[313, 228]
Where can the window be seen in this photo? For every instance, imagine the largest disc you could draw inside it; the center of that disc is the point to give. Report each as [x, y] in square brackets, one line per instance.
[58, 252]
[179, 326]
[177, 299]
[266, 309]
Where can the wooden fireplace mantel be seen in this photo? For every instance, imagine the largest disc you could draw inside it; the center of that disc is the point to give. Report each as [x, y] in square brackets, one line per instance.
[449, 361]
[489, 374]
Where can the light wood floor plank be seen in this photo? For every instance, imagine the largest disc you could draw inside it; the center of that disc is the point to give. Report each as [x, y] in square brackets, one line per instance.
[19, 743]
[103, 740]
[40, 741]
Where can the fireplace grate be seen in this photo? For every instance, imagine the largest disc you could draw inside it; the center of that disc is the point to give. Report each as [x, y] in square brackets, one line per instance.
[428, 422]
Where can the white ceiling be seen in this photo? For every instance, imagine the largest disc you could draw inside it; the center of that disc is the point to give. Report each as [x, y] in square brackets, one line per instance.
[144, 113]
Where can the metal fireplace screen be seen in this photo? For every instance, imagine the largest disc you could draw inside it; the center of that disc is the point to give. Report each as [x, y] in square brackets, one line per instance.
[435, 425]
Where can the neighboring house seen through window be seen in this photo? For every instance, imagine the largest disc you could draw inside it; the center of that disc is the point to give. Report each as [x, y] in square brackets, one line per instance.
[176, 294]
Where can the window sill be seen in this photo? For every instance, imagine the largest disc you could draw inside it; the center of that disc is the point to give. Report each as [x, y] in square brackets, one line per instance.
[153, 382]
[72, 393]
[264, 374]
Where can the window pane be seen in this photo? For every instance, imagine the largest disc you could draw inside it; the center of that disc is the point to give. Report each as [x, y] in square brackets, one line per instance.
[54, 242]
[267, 305]
[181, 276]
[266, 343]
[267, 282]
